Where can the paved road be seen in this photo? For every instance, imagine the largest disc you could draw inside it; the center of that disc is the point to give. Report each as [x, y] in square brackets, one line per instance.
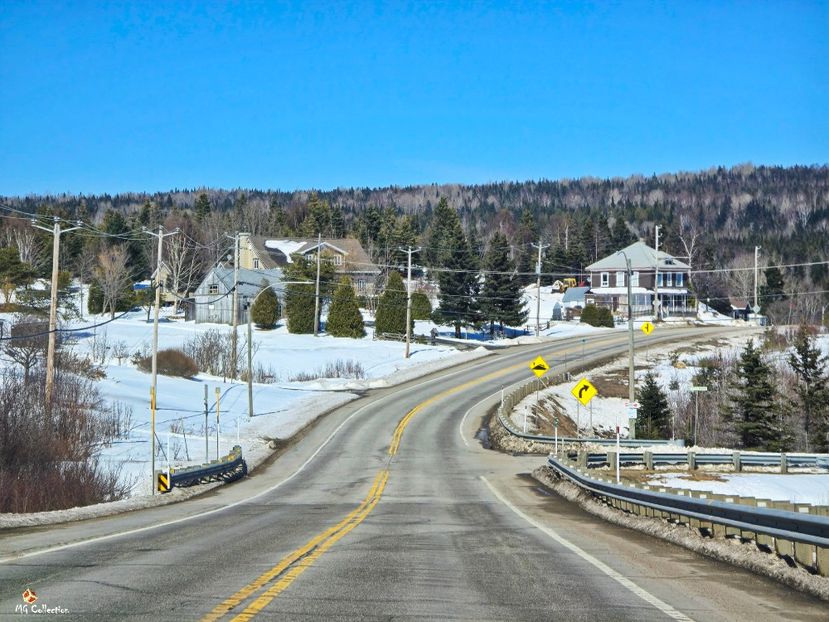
[388, 509]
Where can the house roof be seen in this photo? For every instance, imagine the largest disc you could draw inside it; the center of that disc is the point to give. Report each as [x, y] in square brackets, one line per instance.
[642, 257]
[250, 281]
[575, 294]
[273, 251]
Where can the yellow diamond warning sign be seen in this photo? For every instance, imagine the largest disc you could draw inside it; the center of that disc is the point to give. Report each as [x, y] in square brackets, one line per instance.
[584, 391]
[647, 328]
[539, 367]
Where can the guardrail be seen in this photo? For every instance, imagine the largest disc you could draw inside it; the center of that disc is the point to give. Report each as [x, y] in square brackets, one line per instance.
[511, 400]
[228, 469]
[787, 529]
[693, 460]
[540, 438]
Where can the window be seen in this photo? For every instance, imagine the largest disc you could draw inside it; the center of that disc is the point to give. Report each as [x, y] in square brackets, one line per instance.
[256, 263]
[634, 279]
[659, 279]
[212, 289]
[361, 285]
[680, 279]
[669, 280]
[338, 260]
[620, 279]
[605, 279]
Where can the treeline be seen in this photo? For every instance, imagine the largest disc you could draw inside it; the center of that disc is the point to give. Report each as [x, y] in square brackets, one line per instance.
[772, 396]
[711, 219]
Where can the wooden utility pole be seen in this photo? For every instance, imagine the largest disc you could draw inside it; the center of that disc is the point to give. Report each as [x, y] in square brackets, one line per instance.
[317, 294]
[154, 390]
[409, 251]
[540, 247]
[53, 307]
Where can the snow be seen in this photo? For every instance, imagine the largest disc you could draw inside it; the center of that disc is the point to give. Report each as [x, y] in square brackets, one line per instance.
[286, 247]
[810, 488]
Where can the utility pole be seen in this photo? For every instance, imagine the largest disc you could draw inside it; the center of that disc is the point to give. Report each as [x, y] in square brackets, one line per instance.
[631, 385]
[540, 247]
[206, 435]
[409, 251]
[317, 294]
[657, 311]
[53, 307]
[235, 316]
[160, 236]
[250, 359]
[756, 256]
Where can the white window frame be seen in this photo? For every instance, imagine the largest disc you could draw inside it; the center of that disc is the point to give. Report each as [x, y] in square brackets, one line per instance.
[669, 281]
[620, 279]
[605, 279]
[256, 263]
[213, 289]
[634, 279]
[660, 278]
[680, 279]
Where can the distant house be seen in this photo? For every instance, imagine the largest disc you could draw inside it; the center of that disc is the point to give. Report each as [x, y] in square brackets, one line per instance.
[347, 255]
[213, 298]
[652, 274]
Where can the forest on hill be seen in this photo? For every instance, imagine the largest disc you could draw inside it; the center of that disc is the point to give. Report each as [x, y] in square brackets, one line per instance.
[711, 219]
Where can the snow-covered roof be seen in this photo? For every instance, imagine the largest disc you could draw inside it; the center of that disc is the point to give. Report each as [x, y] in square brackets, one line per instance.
[575, 294]
[286, 247]
[642, 257]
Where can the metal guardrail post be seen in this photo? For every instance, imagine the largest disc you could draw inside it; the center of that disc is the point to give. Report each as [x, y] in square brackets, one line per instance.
[784, 463]
[738, 465]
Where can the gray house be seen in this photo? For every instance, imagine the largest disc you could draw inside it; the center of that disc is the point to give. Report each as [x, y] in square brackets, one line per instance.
[652, 274]
[213, 299]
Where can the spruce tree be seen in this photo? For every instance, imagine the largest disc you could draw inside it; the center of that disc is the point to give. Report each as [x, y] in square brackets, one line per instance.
[391, 309]
[266, 310]
[421, 307]
[457, 275]
[501, 294]
[344, 317]
[202, 207]
[812, 389]
[299, 297]
[753, 411]
[621, 236]
[654, 415]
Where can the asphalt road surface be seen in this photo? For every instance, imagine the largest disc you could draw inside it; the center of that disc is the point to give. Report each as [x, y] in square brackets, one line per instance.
[387, 509]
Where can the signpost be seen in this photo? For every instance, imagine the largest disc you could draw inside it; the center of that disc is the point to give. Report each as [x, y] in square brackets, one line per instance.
[696, 391]
[632, 407]
[583, 392]
[539, 367]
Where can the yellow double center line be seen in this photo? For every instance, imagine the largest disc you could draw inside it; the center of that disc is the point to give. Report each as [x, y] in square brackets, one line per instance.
[297, 562]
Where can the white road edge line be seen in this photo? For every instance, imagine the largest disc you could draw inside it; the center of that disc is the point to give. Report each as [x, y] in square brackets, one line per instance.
[111, 536]
[619, 578]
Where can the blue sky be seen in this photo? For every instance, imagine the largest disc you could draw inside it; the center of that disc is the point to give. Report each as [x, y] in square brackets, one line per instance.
[145, 96]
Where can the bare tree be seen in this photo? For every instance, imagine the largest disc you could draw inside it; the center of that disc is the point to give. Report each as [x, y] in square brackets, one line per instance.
[184, 257]
[27, 344]
[112, 275]
[688, 236]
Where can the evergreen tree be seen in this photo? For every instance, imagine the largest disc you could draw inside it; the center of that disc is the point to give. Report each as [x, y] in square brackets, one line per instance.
[277, 224]
[443, 219]
[318, 219]
[391, 309]
[621, 236]
[421, 307]
[753, 411]
[654, 416]
[772, 291]
[300, 297]
[13, 272]
[457, 278]
[337, 222]
[501, 295]
[526, 254]
[202, 207]
[344, 317]
[812, 389]
[95, 298]
[266, 310]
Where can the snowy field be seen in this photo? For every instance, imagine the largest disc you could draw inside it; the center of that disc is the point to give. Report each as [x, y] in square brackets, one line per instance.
[797, 488]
